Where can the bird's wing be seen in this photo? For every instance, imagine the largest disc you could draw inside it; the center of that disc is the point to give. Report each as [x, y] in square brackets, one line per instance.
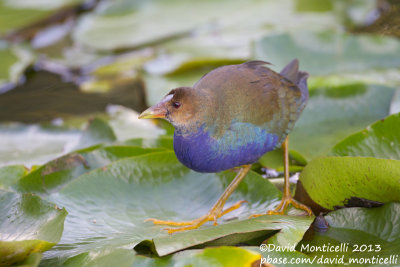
[249, 93]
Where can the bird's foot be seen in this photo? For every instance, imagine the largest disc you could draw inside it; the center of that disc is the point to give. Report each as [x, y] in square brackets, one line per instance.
[280, 209]
[286, 200]
[215, 213]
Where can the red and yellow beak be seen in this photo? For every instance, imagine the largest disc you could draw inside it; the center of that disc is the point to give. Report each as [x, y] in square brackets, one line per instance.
[157, 111]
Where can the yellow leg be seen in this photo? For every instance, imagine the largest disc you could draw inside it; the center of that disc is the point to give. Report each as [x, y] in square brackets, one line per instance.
[287, 197]
[214, 213]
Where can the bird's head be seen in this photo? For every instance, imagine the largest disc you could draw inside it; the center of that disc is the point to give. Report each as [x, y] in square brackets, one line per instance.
[178, 107]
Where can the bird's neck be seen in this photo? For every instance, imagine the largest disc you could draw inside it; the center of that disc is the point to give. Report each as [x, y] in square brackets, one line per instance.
[189, 130]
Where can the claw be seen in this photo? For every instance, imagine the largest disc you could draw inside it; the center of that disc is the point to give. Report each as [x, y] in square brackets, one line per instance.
[280, 209]
[213, 215]
[171, 223]
[234, 207]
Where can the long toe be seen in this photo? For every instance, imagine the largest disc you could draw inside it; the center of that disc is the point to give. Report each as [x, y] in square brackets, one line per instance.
[283, 206]
[170, 223]
[212, 215]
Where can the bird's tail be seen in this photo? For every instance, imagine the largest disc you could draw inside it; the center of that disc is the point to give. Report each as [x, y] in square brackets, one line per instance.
[299, 78]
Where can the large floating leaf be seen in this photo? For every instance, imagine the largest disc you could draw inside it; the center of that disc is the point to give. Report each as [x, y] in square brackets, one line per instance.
[324, 53]
[108, 206]
[14, 61]
[366, 233]
[213, 257]
[374, 177]
[32, 144]
[116, 257]
[123, 121]
[274, 160]
[133, 23]
[113, 72]
[97, 131]
[330, 181]
[291, 230]
[126, 124]
[379, 140]
[334, 112]
[57, 173]
[17, 14]
[281, 256]
[28, 225]
[10, 174]
[161, 142]
[37, 144]
[33, 260]
[13, 16]
[124, 23]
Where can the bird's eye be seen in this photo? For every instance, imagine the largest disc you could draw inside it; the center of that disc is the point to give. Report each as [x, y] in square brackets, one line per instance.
[176, 104]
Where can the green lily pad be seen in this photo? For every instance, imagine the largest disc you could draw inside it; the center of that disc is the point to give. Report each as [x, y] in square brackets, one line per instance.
[13, 16]
[161, 142]
[379, 140]
[113, 73]
[10, 174]
[274, 160]
[386, 77]
[8, 59]
[57, 173]
[116, 257]
[14, 60]
[274, 255]
[33, 260]
[32, 144]
[132, 189]
[18, 14]
[220, 256]
[362, 234]
[97, 131]
[331, 181]
[290, 231]
[123, 121]
[313, 6]
[327, 52]
[335, 112]
[134, 24]
[37, 144]
[126, 125]
[28, 225]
